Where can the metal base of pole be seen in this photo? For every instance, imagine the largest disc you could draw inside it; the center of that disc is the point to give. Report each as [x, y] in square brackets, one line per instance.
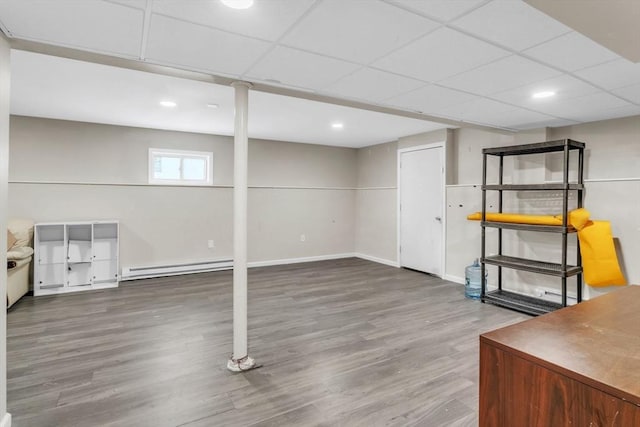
[240, 365]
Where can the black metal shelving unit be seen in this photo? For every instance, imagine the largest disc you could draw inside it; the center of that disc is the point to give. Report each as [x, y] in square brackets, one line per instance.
[504, 297]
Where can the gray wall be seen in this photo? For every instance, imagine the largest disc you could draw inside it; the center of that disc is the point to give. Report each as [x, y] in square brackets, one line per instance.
[376, 203]
[376, 235]
[343, 200]
[64, 170]
[424, 138]
[612, 193]
[4, 165]
[612, 182]
[464, 197]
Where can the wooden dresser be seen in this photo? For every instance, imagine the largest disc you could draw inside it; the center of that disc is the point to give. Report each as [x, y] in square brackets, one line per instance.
[579, 366]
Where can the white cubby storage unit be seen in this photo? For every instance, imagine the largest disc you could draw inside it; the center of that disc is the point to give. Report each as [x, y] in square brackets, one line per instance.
[75, 256]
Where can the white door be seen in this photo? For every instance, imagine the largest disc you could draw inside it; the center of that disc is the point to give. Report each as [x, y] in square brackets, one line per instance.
[421, 177]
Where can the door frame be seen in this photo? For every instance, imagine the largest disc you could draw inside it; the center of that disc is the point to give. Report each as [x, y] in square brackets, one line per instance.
[443, 161]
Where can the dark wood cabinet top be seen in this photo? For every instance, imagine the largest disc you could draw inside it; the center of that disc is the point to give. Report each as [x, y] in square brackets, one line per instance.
[596, 342]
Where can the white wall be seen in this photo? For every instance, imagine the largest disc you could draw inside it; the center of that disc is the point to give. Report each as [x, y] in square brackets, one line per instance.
[63, 170]
[4, 166]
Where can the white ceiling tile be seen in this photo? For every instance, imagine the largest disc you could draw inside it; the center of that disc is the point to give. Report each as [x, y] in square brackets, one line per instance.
[59, 88]
[550, 122]
[438, 55]
[585, 107]
[93, 25]
[293, 119]
[442, 10]
[191, 46]
[565, 87]
[356, 31]
[612, 75]
[138, 4]
[507, 73]
[265, 19]
[511, 23]
[430, 99]
[520, 118]
[632, 93]
[372, 85]
[611, 113]
[297, 68]
[571, 52]
[479, 110]
[53, 87]
[205, 36]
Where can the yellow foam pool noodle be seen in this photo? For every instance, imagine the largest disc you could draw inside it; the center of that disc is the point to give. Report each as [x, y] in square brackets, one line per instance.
[518, 218]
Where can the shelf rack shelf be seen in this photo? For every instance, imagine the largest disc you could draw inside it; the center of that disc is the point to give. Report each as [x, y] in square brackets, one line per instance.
[549, 268]
[533, 187]
[529, 227]
[563, 270]
[519, 302]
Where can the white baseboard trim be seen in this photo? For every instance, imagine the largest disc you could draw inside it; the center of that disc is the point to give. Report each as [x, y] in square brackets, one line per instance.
[454, 279]
[378, 260]
[147, 272]
[272, 262]
[6, 420]
[201, 267]
[134, 273]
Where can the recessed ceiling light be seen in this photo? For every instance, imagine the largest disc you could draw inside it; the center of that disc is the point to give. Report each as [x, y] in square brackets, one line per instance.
[337, 125]
[213, 105]
[238, 4]
[544, 94]
[168, 104]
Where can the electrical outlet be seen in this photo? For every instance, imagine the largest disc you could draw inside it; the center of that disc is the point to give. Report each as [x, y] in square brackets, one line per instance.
[210, 244]
[303, 238]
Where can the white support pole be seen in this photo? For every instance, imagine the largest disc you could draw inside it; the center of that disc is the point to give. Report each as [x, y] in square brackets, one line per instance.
[240, 360]
[5, 86]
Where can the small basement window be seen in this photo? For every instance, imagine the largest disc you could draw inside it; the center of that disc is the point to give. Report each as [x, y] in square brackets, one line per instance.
[179, 167]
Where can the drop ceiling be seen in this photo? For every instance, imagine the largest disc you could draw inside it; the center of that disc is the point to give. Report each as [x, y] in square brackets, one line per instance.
[59, 88]
[470, 61]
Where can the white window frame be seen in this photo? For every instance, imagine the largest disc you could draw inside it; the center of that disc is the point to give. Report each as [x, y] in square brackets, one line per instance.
[182, 154]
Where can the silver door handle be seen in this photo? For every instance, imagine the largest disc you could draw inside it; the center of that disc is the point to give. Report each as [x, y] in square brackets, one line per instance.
[438, 218]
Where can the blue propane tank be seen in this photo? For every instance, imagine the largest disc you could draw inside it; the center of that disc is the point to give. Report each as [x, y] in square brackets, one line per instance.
[472, 279]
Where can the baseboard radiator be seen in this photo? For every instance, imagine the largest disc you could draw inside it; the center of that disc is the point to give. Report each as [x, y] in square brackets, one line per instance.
[133, 273]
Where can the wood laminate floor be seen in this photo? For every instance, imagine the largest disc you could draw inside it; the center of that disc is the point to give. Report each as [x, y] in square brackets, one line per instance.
[343, 343]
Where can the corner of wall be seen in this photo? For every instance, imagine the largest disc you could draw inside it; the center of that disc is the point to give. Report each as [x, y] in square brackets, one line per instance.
[438, 135]
[452, 157]
[375, 203]
[532, 135]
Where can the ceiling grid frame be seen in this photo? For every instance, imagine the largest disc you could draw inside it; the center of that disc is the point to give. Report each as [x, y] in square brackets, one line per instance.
[628, 102]
[491, 42]
[145, 29]
[275, 43]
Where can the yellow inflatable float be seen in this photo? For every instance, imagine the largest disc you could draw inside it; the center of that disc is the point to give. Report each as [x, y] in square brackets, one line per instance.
[599, 260]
